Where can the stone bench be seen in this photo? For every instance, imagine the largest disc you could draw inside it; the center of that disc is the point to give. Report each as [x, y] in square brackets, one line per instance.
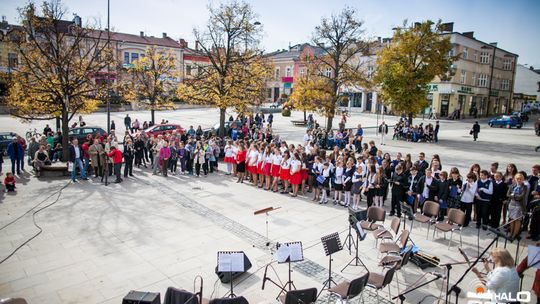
[57, 169]
[299, 122]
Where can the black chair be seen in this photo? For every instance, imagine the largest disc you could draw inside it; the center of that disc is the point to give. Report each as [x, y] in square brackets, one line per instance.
[348, 290]
[180, 296]
[238, 300]
[300, 296]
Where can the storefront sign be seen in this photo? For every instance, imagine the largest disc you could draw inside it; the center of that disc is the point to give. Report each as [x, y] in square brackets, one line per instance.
[524, 96]
[466, 90]
[432, 87]
[287, 79]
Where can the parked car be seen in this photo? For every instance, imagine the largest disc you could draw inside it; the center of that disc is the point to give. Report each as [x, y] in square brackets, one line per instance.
[226, 126]
[5, 139]
[82, 132]
[165, 128]
[508, 121]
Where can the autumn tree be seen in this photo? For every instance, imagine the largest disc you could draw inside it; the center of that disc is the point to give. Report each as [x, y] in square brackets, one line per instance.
[416, 55]
[235, 74]
[57, 62]
[339, 38]
[151, 80]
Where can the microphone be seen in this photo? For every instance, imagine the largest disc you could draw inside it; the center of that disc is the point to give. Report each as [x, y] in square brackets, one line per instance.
[264, 277]
[498, 233]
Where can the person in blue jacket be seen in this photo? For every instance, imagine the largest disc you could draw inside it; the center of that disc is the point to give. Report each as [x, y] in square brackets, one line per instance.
[15, 152]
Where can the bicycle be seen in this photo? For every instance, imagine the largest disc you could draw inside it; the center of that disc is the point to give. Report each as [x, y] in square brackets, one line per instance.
[32, 133]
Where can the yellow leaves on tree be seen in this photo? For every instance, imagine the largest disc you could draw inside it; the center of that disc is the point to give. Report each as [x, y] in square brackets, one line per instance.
[415, 57]
[152, 80]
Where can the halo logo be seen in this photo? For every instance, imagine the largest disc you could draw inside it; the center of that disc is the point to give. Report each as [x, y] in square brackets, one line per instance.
[481, 295]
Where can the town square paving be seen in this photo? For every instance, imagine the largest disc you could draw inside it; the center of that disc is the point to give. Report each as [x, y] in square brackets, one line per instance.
[149, 232]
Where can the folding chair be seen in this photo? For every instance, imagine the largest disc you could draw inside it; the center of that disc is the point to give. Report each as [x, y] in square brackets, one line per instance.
[299, 296]
[348, 290]
[430, 210]
[456, 219]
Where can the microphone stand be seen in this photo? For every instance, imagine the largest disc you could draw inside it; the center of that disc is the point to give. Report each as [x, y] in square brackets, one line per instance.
[448, 268]
[401, 296]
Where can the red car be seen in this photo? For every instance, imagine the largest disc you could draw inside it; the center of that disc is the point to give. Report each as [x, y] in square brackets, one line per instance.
[166, 128]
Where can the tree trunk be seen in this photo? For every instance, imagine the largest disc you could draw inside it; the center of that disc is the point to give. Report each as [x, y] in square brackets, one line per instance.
[221, 130]
[65, 132]
[329, 121]
[305, 119]
[153, 116]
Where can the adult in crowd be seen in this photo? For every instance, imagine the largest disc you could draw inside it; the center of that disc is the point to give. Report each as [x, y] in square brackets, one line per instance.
[41, 159]
[128, 154]
[33, 146]
[127, 122]
[524, 265]
[383, 131]
[95, 151]
[116, 156]
[15, 152]
[75, 157]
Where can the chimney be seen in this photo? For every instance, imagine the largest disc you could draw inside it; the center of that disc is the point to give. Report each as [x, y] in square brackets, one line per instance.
[183, 43]
[141, 33]
[196, 45]
[77, 20]
[4, 20]
[468, 34]
[164, 35]
[448, 27]
[493, 44]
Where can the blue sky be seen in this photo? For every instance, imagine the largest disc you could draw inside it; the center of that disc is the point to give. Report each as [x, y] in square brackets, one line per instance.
[513, 24]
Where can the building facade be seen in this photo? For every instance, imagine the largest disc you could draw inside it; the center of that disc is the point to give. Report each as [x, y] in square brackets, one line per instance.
[526, 89]
[483, 80]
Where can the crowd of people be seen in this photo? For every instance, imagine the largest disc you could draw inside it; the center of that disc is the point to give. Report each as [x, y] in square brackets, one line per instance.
[337, 166]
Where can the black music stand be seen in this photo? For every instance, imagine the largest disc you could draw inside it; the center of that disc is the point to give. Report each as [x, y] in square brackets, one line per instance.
[230, 261]
[360, 236]
[332, 244]
[287, 253]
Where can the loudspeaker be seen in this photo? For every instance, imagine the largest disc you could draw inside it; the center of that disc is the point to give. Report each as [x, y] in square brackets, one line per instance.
[225, 277]
[142, 297]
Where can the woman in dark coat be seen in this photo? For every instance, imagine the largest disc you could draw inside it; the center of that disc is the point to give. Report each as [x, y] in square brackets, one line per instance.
[399, 185]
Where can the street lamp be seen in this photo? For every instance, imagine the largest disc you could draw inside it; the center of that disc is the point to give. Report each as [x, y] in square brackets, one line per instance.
[108, 68]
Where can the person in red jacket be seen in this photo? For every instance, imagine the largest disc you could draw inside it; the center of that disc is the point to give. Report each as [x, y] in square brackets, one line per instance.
[116, 156]
[241, 162]
[9, 182]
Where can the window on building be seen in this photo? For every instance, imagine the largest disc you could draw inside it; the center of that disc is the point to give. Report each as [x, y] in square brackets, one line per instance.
[288, 72]
[507, 64]
[452, 52]
[484, 57]
[483, 80]
[134, 57]
[505, 84]
[302, 71]
[188, 70]
[465, 53]
[277, 73]
[13, 60]
[269, 93]
[370, 71]
[474, 79]
[475, 56]
[126, 57]
[328, 72]
[463, 77]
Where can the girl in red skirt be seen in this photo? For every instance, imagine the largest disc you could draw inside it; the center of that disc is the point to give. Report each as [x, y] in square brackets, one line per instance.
[267, 166]
[285, 171]
[276, 167]
[260, 165]
[296, 175]
[229, 156]
[253, 156]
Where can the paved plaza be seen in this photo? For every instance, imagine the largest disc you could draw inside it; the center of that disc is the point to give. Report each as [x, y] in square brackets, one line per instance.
[149, 232]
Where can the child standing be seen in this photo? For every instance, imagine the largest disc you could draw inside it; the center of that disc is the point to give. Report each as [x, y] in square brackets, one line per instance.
[338, 181]
[285, 172]
[316, 170]
[296, 175]
[229, 159]
[379, 187]
[325, 184]
[347, 181]
[275, 169]
[358, 182]
[9, 182]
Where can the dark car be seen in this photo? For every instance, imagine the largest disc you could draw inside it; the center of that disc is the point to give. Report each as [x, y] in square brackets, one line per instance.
[226, 126]
[508, 121]
[82, 132]
[5, 139]
[523, 115]
[165, 128]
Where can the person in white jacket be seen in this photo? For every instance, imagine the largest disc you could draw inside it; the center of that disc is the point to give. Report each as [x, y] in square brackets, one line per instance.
[467, 197]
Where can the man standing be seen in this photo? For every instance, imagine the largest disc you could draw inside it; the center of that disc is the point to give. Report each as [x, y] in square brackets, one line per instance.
[436, 131]
[358, 138]
[95, 152]
[116, 156]
[383, 130]
[15, 152]
[75, 157]
[32, 149]
[270, 119]
[421, 164]
[22, 142]
[484, 192]
[127, 122]
[475, 130]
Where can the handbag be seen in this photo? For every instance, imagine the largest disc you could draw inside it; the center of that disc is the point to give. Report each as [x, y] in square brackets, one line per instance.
[470, 132]
[70, 167]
